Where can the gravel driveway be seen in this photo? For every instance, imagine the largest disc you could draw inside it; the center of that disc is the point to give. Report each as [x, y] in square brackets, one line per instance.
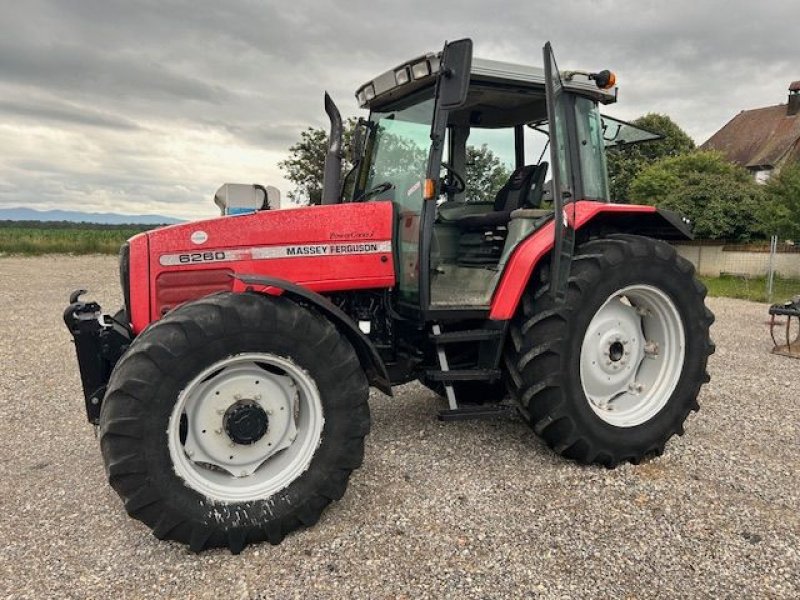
[478, 509]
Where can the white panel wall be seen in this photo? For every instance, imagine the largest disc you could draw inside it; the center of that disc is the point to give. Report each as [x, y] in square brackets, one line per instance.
[711, 261]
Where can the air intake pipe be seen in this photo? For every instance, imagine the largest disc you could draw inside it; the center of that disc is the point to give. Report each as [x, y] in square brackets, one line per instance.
[331, 182]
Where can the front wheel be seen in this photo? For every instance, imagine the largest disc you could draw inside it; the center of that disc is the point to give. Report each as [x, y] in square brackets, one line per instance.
[236, 418]
[611, 373]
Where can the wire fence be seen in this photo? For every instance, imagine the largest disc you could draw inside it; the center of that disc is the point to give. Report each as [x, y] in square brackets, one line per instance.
[761, 265]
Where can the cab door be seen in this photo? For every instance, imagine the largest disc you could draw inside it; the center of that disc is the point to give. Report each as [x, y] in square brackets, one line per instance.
[560, 169]
[452, 86]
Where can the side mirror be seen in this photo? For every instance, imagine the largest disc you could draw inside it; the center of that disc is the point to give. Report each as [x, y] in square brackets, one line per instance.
[455, 69]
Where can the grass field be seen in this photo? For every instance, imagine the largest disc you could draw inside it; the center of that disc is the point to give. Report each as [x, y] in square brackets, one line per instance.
[73, 238]
[751, 289]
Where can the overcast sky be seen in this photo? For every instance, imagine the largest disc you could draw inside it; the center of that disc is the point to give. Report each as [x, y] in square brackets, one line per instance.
[147, 107]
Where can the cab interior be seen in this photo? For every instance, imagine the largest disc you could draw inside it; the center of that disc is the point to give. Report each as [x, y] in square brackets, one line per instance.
[493, 192]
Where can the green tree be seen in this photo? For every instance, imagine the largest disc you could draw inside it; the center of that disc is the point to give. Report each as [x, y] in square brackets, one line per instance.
[626, 162]
[721, 199]
[485, 174]
[781, 209]
[305, 166]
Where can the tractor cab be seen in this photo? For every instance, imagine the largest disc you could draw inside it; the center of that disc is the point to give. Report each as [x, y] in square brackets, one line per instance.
[470, 178]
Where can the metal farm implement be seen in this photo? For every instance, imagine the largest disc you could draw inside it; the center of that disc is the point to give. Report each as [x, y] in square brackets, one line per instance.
[791, 330]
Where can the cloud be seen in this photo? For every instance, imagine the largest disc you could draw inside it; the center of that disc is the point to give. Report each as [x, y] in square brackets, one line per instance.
[66, 114]
[154, 104]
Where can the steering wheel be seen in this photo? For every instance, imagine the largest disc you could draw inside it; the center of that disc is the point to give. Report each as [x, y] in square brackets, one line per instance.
[453, 182]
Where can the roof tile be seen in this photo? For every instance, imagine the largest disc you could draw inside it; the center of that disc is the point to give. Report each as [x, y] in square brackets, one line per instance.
[758, 137]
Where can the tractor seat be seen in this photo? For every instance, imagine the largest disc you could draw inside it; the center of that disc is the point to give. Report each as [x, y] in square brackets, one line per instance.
[483, 236]
[523, 189]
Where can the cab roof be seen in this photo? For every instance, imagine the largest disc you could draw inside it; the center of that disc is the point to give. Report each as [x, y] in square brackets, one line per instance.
[420, 72]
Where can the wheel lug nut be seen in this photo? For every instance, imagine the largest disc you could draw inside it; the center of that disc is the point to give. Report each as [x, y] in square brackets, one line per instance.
[257, 397]
[218, 431]
[237, 396]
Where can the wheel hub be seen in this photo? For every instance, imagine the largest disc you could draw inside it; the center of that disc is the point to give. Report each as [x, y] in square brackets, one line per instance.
[245, 422]
[613, 348]
[632, 355]
[616, 351]
[243, 415]
[251, 423]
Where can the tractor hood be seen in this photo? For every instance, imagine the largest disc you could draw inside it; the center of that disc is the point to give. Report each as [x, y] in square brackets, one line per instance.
[322, 248]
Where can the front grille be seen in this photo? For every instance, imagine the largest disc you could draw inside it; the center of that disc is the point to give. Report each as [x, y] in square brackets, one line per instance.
[175, 287]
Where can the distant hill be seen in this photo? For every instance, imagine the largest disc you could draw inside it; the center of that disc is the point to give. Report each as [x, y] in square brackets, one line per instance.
[29, 214]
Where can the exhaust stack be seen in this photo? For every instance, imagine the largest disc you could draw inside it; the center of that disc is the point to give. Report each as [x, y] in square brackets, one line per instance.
[331, 182]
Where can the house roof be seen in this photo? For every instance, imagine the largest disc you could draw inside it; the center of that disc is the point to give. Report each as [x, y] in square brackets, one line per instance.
[761, 137]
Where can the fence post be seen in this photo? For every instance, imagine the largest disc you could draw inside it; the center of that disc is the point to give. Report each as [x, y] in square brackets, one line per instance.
[773, 248]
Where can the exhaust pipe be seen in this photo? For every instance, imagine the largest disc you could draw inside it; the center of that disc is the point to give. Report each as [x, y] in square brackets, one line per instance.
[331, 182]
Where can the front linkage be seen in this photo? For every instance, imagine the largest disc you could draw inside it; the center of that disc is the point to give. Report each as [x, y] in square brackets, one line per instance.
[100, 341]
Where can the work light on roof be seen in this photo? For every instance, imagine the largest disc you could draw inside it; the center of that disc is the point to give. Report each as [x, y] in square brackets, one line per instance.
[369, 92]
[402, 76]
[362, 98]
[421, 69]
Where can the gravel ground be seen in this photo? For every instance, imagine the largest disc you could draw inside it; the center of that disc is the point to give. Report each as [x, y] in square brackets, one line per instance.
[477, 509]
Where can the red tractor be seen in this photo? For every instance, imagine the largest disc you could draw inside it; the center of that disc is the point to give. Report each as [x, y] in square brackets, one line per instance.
[230, 391]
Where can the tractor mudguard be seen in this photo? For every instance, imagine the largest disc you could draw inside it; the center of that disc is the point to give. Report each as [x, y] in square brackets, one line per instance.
[368, 356]
[599, 218]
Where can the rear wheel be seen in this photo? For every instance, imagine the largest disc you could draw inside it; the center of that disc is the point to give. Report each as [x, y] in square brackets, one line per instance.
[236, 418]
[612, 373]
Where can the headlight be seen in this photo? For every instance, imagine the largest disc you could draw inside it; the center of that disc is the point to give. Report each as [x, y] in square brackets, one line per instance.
[421, 69]
[401, 76]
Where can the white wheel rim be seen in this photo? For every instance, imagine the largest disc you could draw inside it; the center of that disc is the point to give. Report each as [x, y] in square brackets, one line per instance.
[632, 355]
[212, 460]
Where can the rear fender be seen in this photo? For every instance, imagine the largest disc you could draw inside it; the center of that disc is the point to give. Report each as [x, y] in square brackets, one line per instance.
[590, 218]
[368, 356]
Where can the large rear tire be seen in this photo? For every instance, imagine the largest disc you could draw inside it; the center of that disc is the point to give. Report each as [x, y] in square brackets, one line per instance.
[612, 373]
[235, 419]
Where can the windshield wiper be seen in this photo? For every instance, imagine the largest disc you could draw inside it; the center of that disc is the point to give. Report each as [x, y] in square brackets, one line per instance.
[378, 189]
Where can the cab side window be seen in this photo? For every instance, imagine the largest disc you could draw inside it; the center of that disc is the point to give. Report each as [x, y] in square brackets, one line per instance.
[489, 163]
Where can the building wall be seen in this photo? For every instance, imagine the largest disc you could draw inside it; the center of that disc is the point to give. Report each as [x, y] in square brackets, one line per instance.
[762, 175]
[747, 261]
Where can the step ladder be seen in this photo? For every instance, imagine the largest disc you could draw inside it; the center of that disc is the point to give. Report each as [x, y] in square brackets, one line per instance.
[448, 376]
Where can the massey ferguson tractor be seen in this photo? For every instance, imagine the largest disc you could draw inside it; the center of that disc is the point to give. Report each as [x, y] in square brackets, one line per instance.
[230, 391]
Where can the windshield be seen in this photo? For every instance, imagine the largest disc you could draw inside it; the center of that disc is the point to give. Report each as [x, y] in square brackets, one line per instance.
[394, 168]
[397, 152]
